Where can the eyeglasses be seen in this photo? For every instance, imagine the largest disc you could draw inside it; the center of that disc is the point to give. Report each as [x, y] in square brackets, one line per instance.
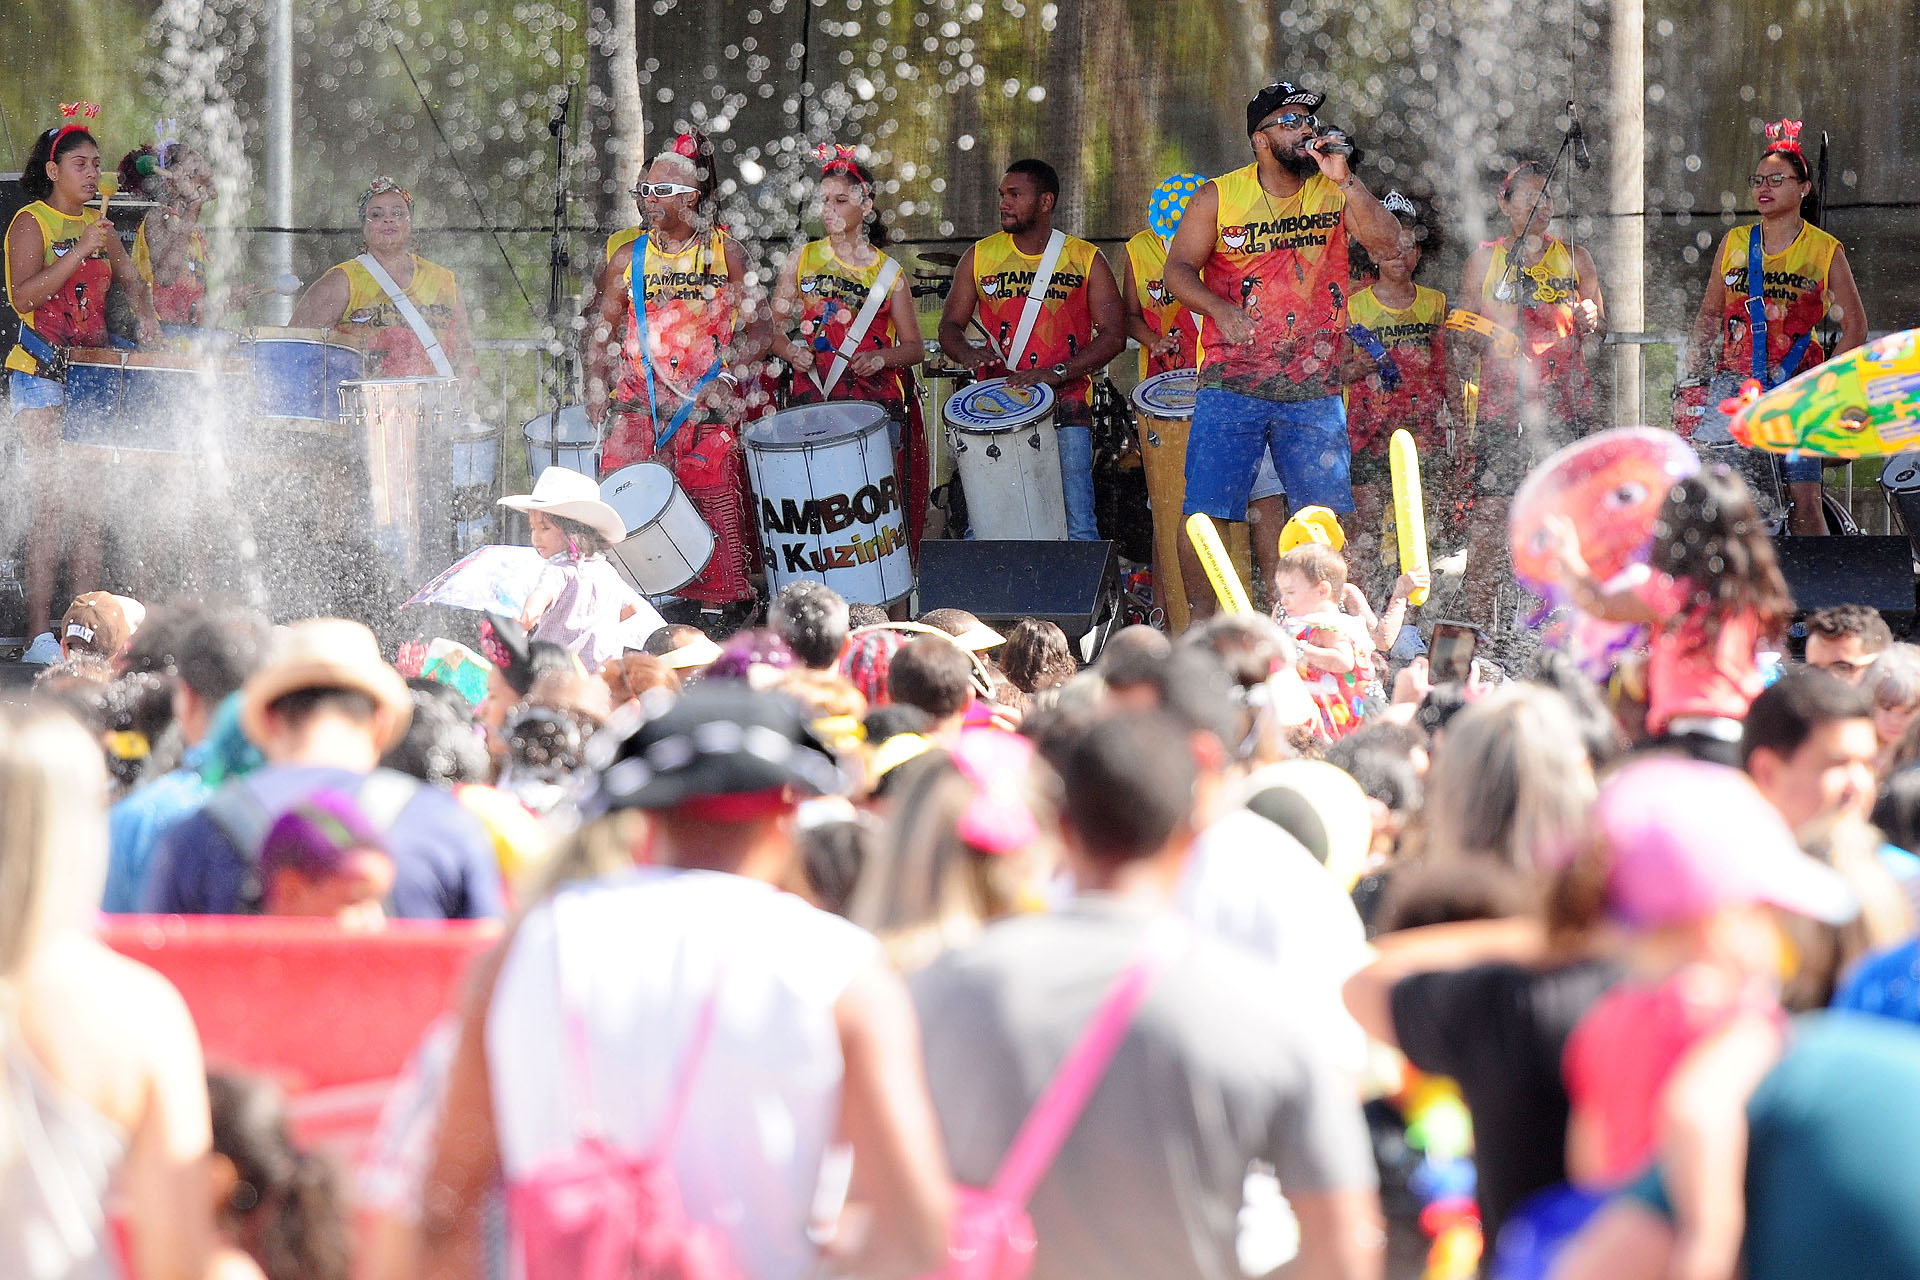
[1774, 180]
[1292, 120]
[661, 190]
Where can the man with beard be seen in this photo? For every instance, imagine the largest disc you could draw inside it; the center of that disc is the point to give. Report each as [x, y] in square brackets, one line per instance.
[1076, 329]
[1261, 256]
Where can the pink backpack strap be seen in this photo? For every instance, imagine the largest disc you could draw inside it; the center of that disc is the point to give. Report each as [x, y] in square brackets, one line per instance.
[1046, 1127]
[573, 1016]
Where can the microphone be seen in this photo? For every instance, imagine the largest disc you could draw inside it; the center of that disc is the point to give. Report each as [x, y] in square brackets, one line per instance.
[1582, 158]
[559, 119]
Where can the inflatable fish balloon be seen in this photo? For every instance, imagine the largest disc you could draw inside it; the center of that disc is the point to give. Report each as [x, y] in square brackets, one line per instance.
[1611, 486]
[1862, 404]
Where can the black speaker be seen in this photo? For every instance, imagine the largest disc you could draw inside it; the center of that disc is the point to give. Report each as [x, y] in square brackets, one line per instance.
[1823, 572]
[1074, 585]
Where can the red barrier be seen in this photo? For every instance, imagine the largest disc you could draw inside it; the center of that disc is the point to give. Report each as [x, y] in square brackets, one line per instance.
[331, 1015]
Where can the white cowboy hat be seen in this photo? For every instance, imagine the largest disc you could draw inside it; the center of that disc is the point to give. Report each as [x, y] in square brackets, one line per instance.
[571, 496]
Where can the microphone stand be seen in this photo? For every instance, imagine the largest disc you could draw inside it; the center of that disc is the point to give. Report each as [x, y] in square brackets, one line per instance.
[560, 360]
[1509, 286]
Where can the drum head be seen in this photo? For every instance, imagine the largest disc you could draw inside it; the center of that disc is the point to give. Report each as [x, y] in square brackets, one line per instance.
[807, 425]
[639, 493]
[571, 427]
[1168, 395]
[992, 405]
[1901, 474]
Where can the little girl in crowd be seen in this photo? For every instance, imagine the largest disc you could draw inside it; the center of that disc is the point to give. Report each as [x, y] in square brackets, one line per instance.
[580, 602]
[1336, 648]
[1713, 596]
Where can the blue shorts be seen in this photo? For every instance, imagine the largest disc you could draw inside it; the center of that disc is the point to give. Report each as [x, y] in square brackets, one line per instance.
[1307, 440]
[26, 392]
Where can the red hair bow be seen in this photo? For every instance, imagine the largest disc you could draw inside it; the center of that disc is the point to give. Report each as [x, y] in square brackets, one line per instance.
[1784, 135]
[74, 117]
[827, 151]
[687, 145]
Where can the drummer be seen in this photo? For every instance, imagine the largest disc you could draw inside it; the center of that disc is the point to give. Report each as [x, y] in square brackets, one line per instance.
[673, 398]
[170, 248]
[1079, 329]
[1169, 337]
[858, 335]
[61, 258]
[402, 310]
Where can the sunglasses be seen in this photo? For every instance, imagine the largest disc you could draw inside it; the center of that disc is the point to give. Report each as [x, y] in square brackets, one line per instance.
[1292, 120]
[661, 190]
[1774, 180]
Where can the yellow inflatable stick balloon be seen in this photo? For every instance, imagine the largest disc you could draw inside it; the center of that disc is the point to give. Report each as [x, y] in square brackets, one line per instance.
[1409, 512]
[1313, 524]
[1213, 558]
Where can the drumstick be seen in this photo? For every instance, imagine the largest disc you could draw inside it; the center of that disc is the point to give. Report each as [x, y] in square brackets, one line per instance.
[991, 344]
[109, 188]
[1409, 511]
[1213, 558]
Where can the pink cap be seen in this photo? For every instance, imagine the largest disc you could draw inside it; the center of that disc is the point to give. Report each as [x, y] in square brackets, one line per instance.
[1689, 838]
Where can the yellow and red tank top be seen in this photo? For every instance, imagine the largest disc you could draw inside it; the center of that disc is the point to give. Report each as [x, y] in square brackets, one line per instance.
[371, 319]
[1285, 263]
[1415, 336]
[1003, 276]
[77, 315]
[832, 293]
[620, 240]
[690, 318]
[1552, 361]
[181, 302]
[1147, 260]
[1795, 282]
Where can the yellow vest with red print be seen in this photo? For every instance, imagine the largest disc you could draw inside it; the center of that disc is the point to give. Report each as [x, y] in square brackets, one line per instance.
[77, 315]
[1795, 282]
[1415, 337]
[1285, 263]
[1002, 275]
[1147, 260]
[690, 315]
[831, 296]
[1551, 345]
[392, 349]
[179, 302]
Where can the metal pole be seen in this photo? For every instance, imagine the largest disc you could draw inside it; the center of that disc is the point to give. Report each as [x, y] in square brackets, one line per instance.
[280, 146]
[1627, 136]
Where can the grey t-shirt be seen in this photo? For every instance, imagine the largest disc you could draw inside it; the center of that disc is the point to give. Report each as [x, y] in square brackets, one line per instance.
[1217, 1072]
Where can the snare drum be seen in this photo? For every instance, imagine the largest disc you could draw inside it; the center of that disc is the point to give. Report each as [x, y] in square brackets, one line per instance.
[1009, 461]
[1901, 479]
[404, 428]
[667, 543]
[148, 401]
[828, 501]
[563, 440]
[298, 373]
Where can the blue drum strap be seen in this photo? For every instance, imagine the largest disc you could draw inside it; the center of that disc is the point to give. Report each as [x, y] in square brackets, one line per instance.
[636, 280]
[1367, 341]
[1757, 307]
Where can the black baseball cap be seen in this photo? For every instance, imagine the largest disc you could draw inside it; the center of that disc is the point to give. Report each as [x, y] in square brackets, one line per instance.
[1281, 93]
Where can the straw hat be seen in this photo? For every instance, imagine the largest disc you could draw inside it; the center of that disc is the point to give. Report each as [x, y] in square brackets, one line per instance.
[571, 496]
[325, 653]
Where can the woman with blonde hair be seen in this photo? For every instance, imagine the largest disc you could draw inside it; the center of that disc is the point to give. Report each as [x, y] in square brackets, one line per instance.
[103, 1081]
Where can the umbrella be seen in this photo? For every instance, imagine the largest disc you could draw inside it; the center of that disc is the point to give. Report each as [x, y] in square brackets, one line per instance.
[488, 578]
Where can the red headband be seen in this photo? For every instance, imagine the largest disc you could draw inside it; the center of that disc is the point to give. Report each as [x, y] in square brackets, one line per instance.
[1784, 135]
[837, 157]
[77, 114]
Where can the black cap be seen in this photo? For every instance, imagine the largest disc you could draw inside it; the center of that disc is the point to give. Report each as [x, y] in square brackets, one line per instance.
[720, 739]
[1280, 93]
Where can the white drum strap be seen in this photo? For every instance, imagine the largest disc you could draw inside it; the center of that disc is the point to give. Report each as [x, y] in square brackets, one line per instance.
[1042, 280]
[857, 331]
[409, 313]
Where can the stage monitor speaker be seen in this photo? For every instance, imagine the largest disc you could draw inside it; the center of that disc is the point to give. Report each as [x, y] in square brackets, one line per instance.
[1074, 585]
[1823, 572]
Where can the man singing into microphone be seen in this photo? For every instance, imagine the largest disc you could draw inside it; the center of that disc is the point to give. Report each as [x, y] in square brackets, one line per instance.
[1261, 256]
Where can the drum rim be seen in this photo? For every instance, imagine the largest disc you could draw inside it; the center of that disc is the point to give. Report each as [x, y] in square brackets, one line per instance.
[526, 428]
[316, 337]
[154, 361]
[673, 483]
[1160, 380]
[1011, 422]
[878, 423]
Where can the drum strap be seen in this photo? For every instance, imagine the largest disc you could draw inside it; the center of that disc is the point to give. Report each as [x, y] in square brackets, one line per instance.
[1365, 339]
[409, 313]
[637, 290]
[1757, 321]
[1036, 296]
[857, 331]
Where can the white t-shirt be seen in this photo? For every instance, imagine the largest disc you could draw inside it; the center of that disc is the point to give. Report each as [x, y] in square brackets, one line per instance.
[643, 952]
[1251, 883]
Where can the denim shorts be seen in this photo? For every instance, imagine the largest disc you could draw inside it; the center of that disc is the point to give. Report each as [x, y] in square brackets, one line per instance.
[1307, 440]
[25, 391]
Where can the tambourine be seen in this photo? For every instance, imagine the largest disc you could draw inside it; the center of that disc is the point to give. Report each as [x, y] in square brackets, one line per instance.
[1506, 343]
